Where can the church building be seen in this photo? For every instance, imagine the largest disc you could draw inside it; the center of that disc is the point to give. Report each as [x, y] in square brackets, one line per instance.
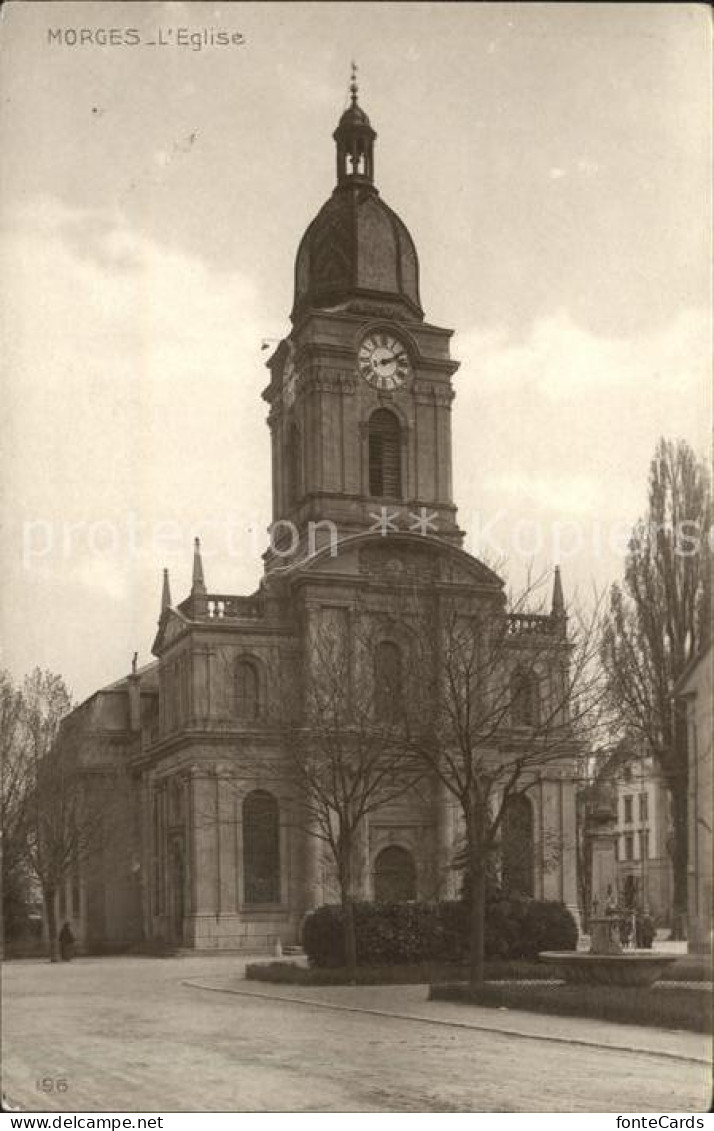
[213, 853]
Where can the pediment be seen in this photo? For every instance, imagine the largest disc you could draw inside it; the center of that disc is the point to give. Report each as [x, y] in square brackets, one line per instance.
[171, 625]
[403, 559]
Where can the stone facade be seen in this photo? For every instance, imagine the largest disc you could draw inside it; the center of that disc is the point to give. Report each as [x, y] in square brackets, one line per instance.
[217, 852]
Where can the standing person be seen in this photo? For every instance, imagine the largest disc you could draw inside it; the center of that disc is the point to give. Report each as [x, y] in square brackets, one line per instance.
[66, 941]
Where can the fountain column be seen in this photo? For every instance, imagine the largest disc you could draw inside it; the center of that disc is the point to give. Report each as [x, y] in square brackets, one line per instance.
[604, 933]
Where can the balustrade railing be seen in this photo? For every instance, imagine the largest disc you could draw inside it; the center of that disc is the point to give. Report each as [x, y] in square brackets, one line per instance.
[521, 624]
[221, 606]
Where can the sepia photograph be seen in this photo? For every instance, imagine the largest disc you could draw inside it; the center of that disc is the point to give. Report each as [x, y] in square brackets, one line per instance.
[355, 452]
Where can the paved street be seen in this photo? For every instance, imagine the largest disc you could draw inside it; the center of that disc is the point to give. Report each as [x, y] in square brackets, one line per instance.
[130, 1034]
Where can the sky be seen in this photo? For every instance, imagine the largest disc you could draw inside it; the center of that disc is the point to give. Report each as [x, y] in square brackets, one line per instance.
[552, 162]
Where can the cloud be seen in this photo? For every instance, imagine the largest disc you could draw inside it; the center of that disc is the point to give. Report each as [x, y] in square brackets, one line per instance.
[560, 426]
[132, 399]
[560, 360]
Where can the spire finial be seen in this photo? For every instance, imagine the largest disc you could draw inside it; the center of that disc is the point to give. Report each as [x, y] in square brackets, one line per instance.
[165, 592]
[198, 585]
[557, 608]
[354, 89]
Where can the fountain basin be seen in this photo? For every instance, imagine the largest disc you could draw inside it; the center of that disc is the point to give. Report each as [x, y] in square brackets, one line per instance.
[631, 968]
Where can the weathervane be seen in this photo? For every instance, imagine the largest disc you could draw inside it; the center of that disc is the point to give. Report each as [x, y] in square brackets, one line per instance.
[353, 84]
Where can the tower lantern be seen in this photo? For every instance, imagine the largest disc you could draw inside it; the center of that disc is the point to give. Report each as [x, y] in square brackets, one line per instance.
[355, 142]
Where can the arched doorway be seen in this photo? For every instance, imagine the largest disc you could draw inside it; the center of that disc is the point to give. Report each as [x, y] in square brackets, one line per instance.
[394, 875]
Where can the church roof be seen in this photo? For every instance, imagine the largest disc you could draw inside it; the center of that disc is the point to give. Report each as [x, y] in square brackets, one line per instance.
[356, 246]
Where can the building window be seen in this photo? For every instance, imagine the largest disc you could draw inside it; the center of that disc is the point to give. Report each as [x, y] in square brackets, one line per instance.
[385, 459]
[247, 690]
[644, 814]
[629, 851]
[628, 810]
[517, 857]
[388, 681]
[292, 459]
[394, 875]
[524, 699]
[261, 848]
[644, 844]
[158, 908]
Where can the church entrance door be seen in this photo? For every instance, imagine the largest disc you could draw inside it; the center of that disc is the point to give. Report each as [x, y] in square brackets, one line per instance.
[394, 875]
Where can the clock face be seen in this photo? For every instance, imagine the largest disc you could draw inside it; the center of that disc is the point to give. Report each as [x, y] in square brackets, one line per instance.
[383, 361]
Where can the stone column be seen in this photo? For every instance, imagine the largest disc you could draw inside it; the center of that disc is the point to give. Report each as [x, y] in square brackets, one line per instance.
[603, 928]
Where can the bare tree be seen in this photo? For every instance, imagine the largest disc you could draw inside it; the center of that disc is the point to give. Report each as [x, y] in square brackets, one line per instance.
[65, 808]
[506, 696]
[13, 794]
[346, 743]
[658, 621]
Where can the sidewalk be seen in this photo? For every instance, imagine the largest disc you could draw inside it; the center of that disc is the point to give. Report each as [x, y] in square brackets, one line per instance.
[411, 1003]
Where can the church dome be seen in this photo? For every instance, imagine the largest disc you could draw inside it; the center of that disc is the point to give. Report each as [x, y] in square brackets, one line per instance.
[356, 248]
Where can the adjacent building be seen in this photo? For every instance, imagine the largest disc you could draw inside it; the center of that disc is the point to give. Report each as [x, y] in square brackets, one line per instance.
[643, 829]
[695, 689]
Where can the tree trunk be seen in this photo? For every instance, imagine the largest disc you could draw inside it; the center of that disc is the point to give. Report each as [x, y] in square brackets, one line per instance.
[678, 793]
[477, 913]
[348, 908]
[348, 911]
[48, 896]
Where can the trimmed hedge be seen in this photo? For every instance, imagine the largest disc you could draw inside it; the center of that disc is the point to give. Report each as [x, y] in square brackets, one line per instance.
[292, 973]
[664, 1007]
[406, 934]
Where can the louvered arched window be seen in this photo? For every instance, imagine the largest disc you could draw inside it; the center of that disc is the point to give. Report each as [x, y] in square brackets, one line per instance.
[385, 460]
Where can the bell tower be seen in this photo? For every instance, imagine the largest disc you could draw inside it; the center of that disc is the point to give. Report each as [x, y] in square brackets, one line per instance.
[360, 390]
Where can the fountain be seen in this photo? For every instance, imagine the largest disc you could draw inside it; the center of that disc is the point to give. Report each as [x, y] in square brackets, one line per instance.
[606, 963]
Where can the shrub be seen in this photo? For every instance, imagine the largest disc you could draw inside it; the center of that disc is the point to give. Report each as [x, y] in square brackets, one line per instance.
[546, 925]
[388, 934]
[391, 934]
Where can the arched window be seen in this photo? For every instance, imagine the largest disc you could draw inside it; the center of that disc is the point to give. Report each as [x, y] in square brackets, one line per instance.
[517, 872]
[261, 848]
[293, 468]
[385, 459]
[394, 875]
[525, 699]
[247, 690]
[388, 690]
